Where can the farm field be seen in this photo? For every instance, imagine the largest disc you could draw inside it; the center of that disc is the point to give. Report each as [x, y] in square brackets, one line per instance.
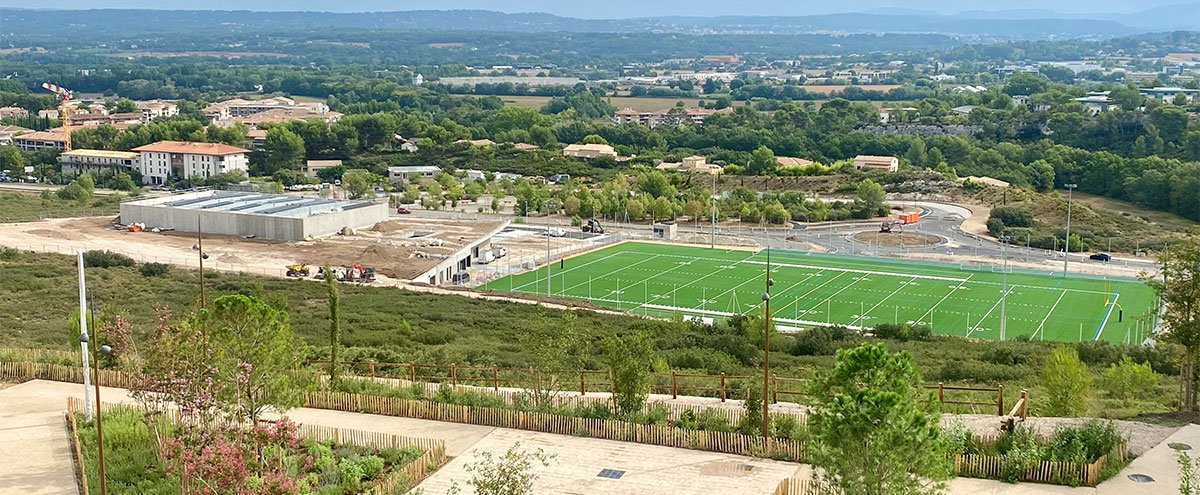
[817, 289]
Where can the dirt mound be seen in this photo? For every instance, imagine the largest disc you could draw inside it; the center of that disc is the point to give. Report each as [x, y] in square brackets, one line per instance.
[897, 239]
[231, 259]
[387, 226]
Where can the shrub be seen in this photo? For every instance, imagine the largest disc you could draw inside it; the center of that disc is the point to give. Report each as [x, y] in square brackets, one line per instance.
[1068, 383]
[1019, 450]
[903, 332]
[785, 426]
[1012, 216]
[154, 269]
[751, 422]
[820, 341]
[106, 259]
[711, 420]
[371, 465]
[995, 226]
[1084, 443]
[687, 420]
[1004, 356]
[350, 473]
[9, 254]
[1129, 380]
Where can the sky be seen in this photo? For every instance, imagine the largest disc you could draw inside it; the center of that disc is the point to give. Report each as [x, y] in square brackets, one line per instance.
[609, 9]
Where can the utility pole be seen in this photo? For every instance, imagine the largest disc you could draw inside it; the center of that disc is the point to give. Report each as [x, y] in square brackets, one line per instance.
[83, 339]
[1004, 288]
[766, 297]
[1067, 244]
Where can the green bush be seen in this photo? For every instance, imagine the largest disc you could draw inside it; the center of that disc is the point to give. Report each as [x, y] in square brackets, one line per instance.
[1068, 383]
[1129, 380]
[820, 341]
[687, 420]
[902, 332]
[711, 420]
[106, 259]
[1019, 451]
[1012, 216]
[371, 465]
[154, 269]
[350, 474]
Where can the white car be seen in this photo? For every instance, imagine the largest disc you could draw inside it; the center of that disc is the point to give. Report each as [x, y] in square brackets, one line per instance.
[556, 232]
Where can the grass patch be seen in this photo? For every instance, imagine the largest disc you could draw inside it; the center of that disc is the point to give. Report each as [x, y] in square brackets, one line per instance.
[21, 207]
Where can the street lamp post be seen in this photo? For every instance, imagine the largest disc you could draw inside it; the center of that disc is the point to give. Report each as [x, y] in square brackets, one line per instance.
[83, 339]
[1067, 244]
[766, 297]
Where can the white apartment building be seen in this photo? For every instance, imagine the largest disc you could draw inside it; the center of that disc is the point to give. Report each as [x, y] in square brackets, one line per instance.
[166, 159]
[157, 109]
[77, 162]
[239, 107]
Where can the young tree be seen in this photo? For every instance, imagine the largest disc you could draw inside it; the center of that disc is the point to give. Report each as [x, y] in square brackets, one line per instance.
[629, 359]
[552, 346]
[875, 430]
[284, 149]
[1179, 291]
[335, 326]
[762, 162]
[871, 195]
[508, 475]
[254, 353]
[1068, 383]
[358, 183]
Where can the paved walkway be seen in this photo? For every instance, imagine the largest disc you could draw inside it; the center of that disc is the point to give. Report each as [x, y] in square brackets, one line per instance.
[37, 460]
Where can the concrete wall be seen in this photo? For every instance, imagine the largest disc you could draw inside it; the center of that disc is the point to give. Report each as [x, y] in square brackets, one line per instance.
[442, 273]
[154, 214]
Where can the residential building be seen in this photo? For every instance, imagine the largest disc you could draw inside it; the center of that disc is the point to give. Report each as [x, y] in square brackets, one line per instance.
[589, 151]
[157, 109]
[943, 77]
[311, 167]
[887, 115]
[40, 140]
[13, 113]
[525, 147]
[94, 118]
[963, 109]
[869, 162]
[7, 132]
[257, 138]
[1097, 102]
[239, 107]
[691, 164]
[164, 160]
[672, 116]
[477, 143]
[49, 113]
[76, 162]
[399, 174]
[1168, 94]
[280, 115]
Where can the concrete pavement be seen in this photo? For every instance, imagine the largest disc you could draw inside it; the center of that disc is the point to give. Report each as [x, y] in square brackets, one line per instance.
[37, 460]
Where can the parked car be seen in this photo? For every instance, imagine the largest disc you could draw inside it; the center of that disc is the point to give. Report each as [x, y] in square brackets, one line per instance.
[556, 232]
[403, 211]
[500, 251]
[1101, 257]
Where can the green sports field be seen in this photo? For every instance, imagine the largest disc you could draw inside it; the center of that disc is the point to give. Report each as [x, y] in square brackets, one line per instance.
[816, 289]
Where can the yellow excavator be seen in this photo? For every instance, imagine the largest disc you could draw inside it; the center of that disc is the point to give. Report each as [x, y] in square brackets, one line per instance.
[297, 270]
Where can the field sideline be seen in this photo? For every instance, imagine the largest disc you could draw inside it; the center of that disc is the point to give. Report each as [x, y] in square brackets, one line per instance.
[817, 289]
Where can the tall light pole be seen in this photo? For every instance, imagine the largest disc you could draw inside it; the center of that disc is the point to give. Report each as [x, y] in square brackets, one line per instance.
[766, 297]
[1067, 244]
[83, 339]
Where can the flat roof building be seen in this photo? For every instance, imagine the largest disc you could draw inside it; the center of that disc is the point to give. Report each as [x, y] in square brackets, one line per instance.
[267, 216]
[77, 162]
[869, 162]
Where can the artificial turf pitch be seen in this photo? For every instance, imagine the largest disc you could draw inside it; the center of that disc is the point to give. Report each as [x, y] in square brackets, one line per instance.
[817, 289]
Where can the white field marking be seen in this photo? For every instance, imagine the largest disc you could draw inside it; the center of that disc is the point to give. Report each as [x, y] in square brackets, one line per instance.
[1111, 305]
[609, 274]
[852, 270]
[943, 299]
[889, 296]
[829, 268]
[644, 280]
[711, 312]
[978, 322]
[831, 296]
[569, 270]
[1083, 291]
[1042, 324]
[722, 269]
[781, 293]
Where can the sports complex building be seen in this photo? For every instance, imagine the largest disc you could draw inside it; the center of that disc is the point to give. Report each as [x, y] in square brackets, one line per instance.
[267, 216]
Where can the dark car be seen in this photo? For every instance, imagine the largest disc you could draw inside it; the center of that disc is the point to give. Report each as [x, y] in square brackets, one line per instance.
[1101, 257]
[403, 211]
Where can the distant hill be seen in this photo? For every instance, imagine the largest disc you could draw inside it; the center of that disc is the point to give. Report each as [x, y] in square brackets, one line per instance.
[1020, 24]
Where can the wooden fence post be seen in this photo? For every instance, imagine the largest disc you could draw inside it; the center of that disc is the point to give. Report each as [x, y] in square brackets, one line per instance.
[774, 388]
[674, 386]
[1024, 404]
[495, 377]
[941, 394]
[582, 384]
[372, 371]
[1000, 400]
[412, 372]
[722, 387]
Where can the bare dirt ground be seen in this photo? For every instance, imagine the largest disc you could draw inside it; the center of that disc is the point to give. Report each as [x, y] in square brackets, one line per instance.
[896, 239]
[398, 248]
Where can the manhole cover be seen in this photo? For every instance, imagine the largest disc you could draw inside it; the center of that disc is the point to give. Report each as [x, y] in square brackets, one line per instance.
[1141, 478]
[615, 474]
[1179, 446]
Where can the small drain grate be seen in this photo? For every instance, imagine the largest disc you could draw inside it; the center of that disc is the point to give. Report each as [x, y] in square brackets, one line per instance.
[615, 474]
[1179, 446]
[1141, 478]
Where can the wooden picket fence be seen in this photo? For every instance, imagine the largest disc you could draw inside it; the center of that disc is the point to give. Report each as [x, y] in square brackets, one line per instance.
[803, 486]
[608, 429]
[23, 371]
[1051, 472]
[77, 451]
[396, 482]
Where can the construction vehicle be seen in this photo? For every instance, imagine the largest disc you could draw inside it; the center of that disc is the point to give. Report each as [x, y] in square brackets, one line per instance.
[357, 273]
[64, 110]
[899, 223]
[593, 226]
[297, 270]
